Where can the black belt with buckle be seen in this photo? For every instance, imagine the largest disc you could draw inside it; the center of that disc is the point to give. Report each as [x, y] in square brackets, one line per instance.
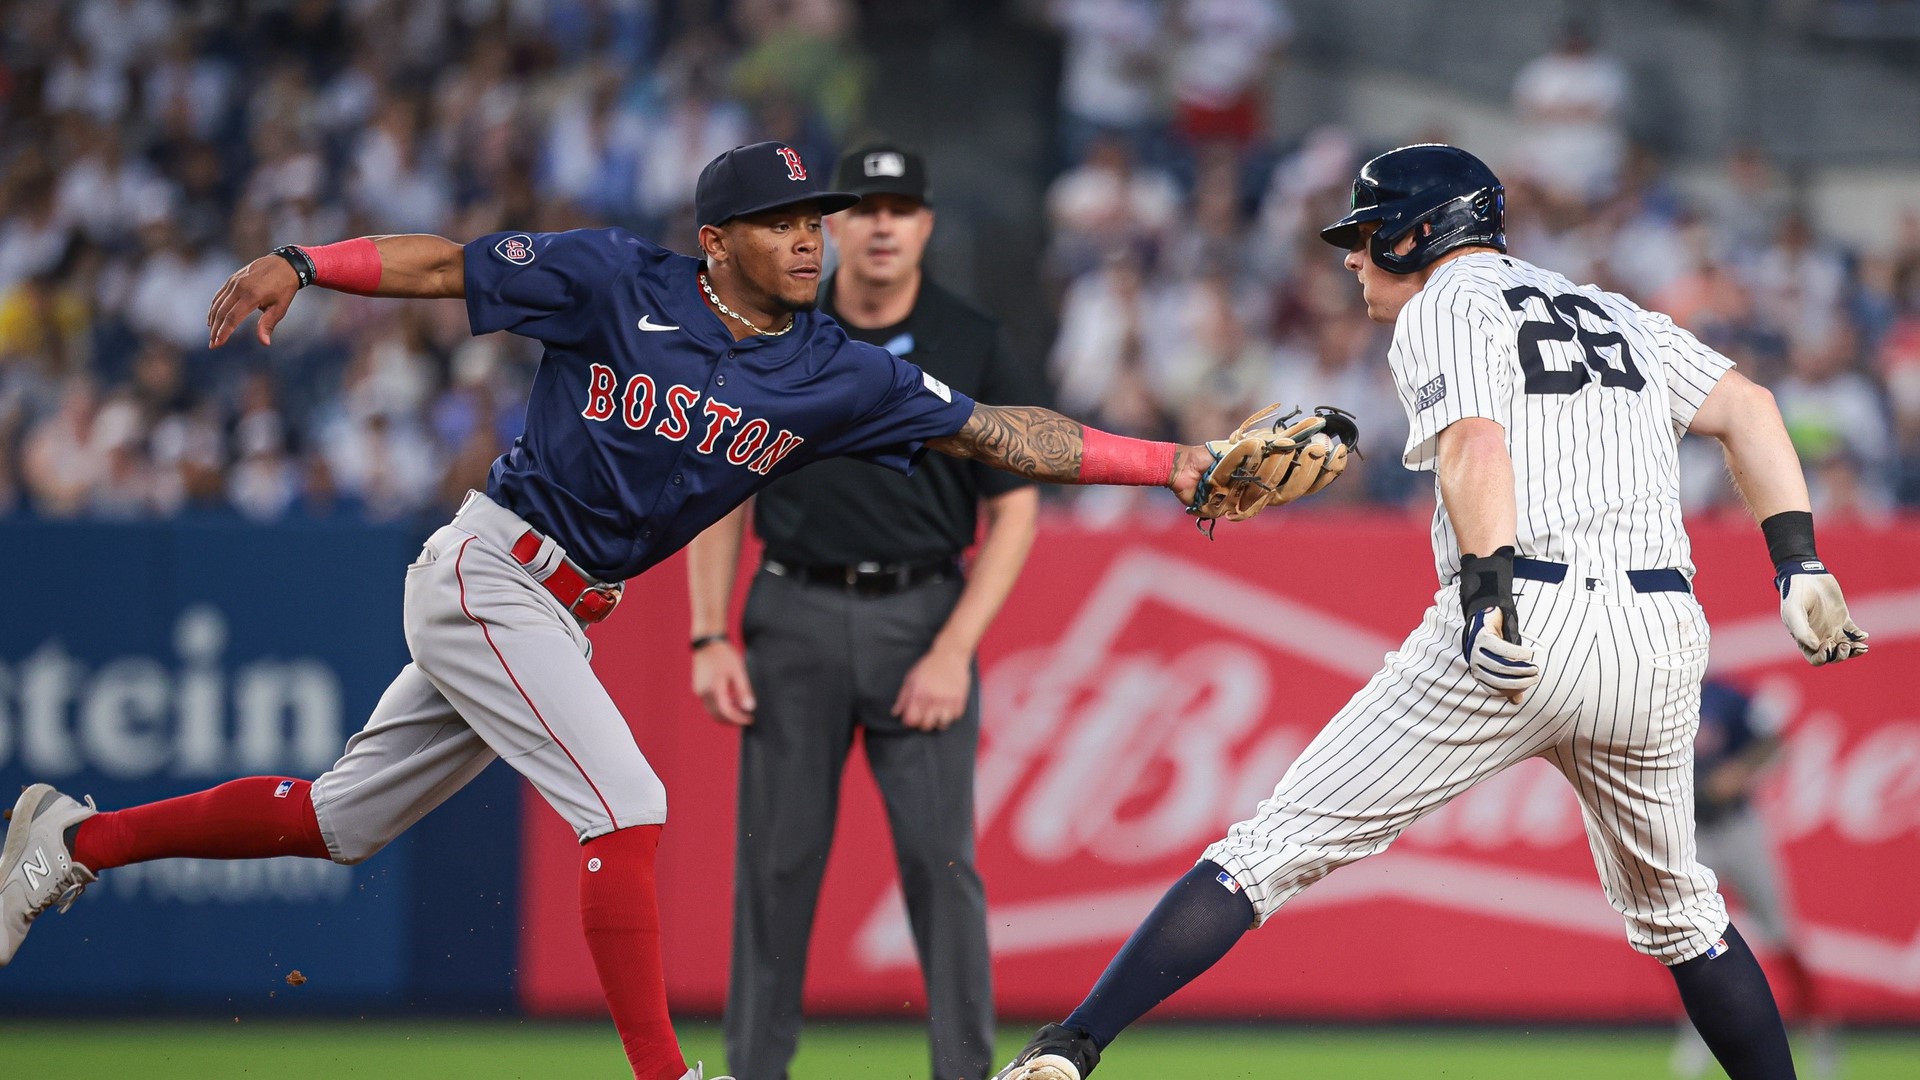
[1665, 579]
[868, 578]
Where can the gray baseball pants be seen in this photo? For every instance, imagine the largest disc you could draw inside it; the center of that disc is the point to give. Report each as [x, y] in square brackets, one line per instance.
[824, 664]
[1741, 853]
[500, 669]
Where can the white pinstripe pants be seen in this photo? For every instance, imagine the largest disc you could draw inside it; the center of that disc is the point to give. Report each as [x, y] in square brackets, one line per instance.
[1615, 711]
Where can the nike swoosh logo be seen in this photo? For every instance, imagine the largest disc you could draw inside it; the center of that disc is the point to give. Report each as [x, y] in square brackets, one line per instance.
[647, 323]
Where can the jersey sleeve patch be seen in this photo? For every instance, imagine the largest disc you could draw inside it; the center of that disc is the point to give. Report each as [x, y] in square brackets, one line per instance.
[1431, 393]
[936, 387]
[516, 249]
[560, 300]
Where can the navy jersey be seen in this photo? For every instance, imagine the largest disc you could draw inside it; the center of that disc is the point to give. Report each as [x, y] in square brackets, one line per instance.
[1728, 726]
[647, 421]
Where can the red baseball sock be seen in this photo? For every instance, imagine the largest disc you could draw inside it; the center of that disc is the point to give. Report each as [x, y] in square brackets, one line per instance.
[255, 818]
[621, 916]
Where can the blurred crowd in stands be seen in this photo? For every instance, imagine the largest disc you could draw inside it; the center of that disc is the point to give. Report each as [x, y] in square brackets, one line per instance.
[1194, 288]
[148, 148]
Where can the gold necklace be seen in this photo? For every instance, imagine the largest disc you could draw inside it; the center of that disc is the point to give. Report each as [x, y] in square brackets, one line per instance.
[732, 314]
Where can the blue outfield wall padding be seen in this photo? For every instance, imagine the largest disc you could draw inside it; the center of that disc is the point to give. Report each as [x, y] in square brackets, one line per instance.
[143, 661]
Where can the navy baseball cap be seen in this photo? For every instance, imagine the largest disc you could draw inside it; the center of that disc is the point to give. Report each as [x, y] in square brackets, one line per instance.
[749, 179]
[884, 169]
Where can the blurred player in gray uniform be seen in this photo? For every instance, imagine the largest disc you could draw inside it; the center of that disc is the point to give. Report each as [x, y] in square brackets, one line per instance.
[1565, 627]
[1739, 738]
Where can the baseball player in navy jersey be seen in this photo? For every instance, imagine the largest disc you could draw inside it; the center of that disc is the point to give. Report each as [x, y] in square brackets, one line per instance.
[1565, 627]
[670, 390]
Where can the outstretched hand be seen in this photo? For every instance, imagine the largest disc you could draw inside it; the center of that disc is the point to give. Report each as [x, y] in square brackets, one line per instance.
[266, 285]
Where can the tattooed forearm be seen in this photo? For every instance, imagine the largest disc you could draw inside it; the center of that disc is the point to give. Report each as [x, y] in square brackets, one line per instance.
[1036, 443]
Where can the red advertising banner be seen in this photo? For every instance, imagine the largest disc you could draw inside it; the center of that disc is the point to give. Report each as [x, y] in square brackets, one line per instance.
[1144, 689]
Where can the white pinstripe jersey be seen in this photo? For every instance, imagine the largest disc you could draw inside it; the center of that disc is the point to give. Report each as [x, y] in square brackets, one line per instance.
[1594, 393]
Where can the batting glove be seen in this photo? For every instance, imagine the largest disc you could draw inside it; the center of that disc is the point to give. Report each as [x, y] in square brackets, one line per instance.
[1491, 642]
[1816, 613]
[1500, 661]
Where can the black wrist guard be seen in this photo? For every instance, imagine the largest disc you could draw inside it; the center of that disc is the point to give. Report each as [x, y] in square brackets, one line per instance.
[1789, 537]
[1487, 581]
[301, 262]
[705, 640]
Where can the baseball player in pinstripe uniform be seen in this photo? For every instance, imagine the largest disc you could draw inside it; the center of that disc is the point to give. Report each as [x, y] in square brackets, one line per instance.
[1565, 627]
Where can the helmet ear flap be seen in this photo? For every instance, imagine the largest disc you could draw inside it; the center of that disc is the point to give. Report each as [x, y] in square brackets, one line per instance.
[1476, 218]
[1380, 246]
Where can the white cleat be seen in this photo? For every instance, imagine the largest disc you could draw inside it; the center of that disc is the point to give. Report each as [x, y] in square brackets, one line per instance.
[1056, 1052]
[1044, 1067]
[1690, 1058]
[1823, 1048]
[37, 871]
[698, 1072]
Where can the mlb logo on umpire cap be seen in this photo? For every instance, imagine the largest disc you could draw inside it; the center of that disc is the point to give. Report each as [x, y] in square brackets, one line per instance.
[884, 168]
[885, 163]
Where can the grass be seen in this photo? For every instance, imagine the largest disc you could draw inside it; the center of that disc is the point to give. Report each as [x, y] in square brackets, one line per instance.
[531, 1050]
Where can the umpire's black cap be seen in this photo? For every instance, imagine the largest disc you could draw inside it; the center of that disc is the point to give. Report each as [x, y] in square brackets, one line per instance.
[749, 179]
[884, 168]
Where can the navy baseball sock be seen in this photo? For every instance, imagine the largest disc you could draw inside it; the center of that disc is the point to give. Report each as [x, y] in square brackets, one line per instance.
[1186, 933]
[1730, 1004]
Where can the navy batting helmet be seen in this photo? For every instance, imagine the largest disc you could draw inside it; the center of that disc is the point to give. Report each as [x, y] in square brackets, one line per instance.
[1428, 184]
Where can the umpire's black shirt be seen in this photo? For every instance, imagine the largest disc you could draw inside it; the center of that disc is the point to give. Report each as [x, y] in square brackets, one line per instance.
[839, 512]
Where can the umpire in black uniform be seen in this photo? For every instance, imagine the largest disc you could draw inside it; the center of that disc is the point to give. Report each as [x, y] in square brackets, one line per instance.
[861, 619]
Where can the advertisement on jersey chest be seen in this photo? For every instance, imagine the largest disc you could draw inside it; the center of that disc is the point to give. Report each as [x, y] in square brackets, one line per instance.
[140, 662]
[1143, 690]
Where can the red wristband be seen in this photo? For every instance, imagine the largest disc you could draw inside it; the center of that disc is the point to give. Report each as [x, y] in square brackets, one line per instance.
[351, 266]
[1115, 459]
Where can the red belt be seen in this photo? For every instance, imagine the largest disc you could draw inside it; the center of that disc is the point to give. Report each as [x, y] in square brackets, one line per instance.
[587, 601]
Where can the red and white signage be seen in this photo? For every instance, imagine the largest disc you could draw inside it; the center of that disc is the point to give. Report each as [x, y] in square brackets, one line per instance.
[1145, 689]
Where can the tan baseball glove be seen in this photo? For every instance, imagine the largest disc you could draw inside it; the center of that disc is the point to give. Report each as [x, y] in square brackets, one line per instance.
[1272, 458]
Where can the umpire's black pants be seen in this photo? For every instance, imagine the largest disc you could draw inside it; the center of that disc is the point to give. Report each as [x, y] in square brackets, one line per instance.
[824, 662]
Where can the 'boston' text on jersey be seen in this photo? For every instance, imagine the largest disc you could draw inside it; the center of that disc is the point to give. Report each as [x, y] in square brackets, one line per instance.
[754, 444]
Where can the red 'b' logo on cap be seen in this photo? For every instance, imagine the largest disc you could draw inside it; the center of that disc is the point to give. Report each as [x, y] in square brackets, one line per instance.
[796, 170]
